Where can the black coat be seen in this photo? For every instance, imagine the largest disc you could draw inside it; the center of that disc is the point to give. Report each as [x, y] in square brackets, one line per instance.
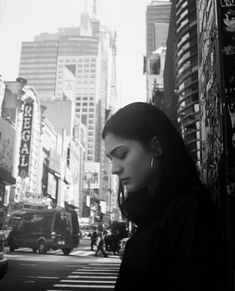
[179, 251]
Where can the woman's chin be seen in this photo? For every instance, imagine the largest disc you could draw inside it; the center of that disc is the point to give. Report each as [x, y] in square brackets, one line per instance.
[131, 188]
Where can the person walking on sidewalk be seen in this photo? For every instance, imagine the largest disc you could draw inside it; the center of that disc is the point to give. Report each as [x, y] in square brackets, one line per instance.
[100, 245]
[177, 244]
[94, 236]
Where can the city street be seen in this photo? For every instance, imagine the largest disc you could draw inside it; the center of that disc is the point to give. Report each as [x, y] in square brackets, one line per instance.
[81, 270]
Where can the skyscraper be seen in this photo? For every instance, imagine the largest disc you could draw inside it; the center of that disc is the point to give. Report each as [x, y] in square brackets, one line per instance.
[38, 65]
[157, 22]
[181, 78]
[72, 64]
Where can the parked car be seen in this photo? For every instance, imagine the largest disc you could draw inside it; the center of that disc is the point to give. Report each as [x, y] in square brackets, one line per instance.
[3, 258]
[45, 229]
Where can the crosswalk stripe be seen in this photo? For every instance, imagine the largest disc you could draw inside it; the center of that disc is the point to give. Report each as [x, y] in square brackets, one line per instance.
[87, 281]
[82, 286]
[91, 276]
[92, 272]
[83, 253]
[113, 270]
[95, 275]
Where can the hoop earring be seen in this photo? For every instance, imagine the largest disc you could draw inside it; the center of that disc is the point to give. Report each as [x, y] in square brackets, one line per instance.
[152, 164]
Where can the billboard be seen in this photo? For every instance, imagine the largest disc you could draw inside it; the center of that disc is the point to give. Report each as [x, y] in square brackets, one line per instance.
[91, 178]
[7, 143]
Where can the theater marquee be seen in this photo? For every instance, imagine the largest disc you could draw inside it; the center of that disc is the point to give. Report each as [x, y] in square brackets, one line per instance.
[25, 140]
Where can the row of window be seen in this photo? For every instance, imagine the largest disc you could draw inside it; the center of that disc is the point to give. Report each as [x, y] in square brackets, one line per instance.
[85, 104]
[91, 98]
[85, 109]
[78, 60]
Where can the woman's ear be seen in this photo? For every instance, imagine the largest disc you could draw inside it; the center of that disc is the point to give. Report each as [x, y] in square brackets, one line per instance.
[156, 147]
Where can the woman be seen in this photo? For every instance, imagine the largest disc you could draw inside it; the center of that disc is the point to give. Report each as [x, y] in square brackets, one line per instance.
[177, 242]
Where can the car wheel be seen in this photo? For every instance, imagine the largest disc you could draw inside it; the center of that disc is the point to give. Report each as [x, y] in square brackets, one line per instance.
[42, 248]
[66, 251]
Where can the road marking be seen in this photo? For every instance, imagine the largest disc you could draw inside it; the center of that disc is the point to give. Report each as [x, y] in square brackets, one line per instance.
[94, 276]
[95, 271]
[82, 286]
[87, 281]
[91, 276]
[44, 277]
[82, 253]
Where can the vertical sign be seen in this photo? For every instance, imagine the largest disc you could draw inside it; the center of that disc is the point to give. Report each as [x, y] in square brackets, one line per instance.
[25, 140]
[227, 15]
[227, 33]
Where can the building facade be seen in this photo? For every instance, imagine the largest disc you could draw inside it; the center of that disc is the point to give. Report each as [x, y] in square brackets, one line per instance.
[200, 93]
[157, 25]
[185, 64]
[157, 22]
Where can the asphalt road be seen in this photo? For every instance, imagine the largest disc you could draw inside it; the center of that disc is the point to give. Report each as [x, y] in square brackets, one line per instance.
[81, 270]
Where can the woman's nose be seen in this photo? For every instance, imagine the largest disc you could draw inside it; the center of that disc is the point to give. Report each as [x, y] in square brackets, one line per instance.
[116, 168]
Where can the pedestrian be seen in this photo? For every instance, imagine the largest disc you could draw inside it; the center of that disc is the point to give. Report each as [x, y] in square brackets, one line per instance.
[94, 236]
[100, 245]
[176, 245]
[115, 242]
[106, 240]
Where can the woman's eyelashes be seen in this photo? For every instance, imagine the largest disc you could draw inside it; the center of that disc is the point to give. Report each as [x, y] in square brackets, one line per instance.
[121, 154]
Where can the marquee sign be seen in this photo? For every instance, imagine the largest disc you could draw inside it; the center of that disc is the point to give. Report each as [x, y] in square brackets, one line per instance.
[25, 140]
[227, 3]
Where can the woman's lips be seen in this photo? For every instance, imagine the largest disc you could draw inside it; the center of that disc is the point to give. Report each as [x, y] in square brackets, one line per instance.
[124, 181]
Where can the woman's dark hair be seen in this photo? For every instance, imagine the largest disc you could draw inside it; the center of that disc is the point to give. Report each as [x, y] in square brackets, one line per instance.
[142, 121]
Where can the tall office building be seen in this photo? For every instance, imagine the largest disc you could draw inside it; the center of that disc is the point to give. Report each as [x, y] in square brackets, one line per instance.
[181, 73]
[73, 64]
[38, 65]
[157, 22]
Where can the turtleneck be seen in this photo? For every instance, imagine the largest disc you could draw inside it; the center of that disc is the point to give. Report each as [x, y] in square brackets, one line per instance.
[141, 207]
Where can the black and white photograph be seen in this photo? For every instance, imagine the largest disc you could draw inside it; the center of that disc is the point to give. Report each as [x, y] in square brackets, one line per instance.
[117, 145]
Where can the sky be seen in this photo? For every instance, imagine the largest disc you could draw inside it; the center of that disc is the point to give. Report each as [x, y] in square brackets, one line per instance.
[23, 19]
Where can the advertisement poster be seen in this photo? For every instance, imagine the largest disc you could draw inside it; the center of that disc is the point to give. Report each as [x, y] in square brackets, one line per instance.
[227, 16]
[91, 175]
[7, 142]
